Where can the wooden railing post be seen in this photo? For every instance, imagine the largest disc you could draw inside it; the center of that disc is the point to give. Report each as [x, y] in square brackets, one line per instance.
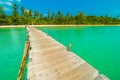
[69, 46]
[27, 36]
[25, 53]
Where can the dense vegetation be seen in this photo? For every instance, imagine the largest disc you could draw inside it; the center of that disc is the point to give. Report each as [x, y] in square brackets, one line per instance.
[30, 17]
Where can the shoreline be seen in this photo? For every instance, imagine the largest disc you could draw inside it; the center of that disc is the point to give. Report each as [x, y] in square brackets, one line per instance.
[19, 26]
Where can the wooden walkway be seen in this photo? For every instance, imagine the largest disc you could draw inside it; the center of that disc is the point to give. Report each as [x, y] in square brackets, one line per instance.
[50, 60]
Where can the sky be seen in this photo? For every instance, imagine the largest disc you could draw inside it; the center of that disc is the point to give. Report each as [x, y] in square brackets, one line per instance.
[89, 7]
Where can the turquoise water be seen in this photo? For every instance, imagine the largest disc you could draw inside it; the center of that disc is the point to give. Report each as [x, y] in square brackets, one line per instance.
[11, 49]
[99, 46]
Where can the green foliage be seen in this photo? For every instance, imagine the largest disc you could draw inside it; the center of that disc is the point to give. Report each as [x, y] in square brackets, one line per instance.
[30, 17]
[36, 14]
[2, 16]
[15, 16]
[1, 12]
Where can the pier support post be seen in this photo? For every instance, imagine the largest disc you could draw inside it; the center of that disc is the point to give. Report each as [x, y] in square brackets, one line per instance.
[69, 46]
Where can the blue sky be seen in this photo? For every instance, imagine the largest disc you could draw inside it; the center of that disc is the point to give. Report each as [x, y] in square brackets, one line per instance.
[89, 7]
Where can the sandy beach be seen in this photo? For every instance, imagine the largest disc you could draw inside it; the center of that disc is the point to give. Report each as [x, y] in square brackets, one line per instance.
[18, 26]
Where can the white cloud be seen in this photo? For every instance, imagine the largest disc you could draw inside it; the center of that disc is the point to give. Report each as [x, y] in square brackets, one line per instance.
[6, 9]
[8, 3]
[10, 0]
[27, 10]
[19, 0]
[1, 2]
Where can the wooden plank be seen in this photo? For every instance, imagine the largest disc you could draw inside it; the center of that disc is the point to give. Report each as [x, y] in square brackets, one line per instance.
[101, 77]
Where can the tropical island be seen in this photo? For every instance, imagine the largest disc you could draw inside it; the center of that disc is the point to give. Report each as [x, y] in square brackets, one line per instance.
[59, 40]
[28, 17]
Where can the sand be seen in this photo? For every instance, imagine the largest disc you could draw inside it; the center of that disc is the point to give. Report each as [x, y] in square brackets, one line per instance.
[18, 26]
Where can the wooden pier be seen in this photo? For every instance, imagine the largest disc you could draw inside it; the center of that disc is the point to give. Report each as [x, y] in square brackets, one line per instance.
[50, 60]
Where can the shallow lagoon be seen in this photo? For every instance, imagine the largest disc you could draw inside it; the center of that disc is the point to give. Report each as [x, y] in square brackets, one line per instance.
[99, 46]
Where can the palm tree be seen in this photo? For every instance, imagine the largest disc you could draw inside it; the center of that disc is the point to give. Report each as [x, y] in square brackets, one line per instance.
[30, 13]
[15, 15]
[53, 18]
[60, 16]
[80, 17]
[48, 15]
[36, 14]
[2, 16]
[1, 12]
[23, 11]
[41, 19]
